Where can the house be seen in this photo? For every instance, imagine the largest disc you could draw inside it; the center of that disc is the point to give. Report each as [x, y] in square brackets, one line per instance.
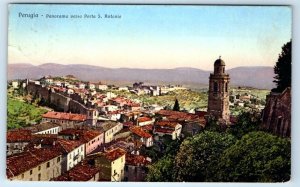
[123, 88]
[110, 128]
[84, 171]
[136, 167]
[73, 152]
[17, 140]
[45, 128]
[34, 165]
[91, 138]
[15, 84]
[91, 86]
[131, 106]
[169, 128]
[102, 87]
[114, 115]
[140, 135]
[141, 121]
[81, 85]
[111, 164]
[67, 120]
[70, 91]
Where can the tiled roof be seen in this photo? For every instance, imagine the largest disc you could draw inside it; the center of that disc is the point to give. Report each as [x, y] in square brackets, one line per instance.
[65, 116]
[171, 124]
[114, 154]
[81, 172]
[144, 119]
[25, 161]
[128, 124]
[147, 127]
[68, 145]
[108, 125]
[166, 131]
[18, 135]
[42, 127]
[83, 134]
[140, 132]
[183, 116]
[136, 160]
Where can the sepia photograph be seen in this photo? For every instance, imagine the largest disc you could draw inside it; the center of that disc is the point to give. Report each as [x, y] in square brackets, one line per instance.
[149, 93]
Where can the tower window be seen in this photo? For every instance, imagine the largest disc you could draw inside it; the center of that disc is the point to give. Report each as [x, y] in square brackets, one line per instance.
[226, 87]
[215, 87]
[223, 70]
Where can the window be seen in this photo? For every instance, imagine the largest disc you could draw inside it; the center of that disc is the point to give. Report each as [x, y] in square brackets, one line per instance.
[226, 87]
[48, 164]
[23, 176]
[215, 87]
[39, 177]
[58, 159]
[30, 172]
[39, 168]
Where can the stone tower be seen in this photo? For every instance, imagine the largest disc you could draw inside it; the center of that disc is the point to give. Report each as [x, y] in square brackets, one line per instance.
[218, 94]
[92, 116]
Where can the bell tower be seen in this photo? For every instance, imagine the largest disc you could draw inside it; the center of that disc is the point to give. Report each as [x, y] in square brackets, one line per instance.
[218, 94]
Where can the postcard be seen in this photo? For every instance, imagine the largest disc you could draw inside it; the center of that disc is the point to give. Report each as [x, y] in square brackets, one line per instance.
[157, 93]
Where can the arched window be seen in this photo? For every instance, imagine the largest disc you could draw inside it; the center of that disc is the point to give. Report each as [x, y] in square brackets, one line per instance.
[215, 87]
[223, 70]
[226, 87]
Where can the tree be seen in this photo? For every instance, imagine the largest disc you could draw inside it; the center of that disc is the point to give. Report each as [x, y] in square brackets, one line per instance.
[176, 105]
[247, 122]
[282, 68]
[257, 157]
[161, 171]
[198, 156]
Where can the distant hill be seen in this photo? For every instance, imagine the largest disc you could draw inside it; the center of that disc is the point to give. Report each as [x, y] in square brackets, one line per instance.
[258, 77]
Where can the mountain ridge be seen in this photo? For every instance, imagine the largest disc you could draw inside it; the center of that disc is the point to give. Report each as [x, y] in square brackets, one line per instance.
[240, 76]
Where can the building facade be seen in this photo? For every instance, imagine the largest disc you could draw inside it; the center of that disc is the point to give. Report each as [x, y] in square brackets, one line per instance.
[276, 116]
[218, 94]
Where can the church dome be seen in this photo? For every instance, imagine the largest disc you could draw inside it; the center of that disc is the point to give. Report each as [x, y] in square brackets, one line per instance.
[219, 62]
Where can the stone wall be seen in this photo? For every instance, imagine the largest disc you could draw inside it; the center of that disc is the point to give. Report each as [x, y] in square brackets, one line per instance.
[277, 113]
[60, 101]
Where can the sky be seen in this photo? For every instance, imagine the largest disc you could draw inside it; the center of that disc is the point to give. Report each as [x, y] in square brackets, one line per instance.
[148, 36]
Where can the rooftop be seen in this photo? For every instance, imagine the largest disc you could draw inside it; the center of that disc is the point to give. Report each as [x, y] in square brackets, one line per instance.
[83, 134]
[108, 125]
[140, 132]
[81, 172]
[180, 116]
[144, 119]
[136, 160]
[65, 116]
[170, 124]
[18, 135]
[68, 145]
[21, 162]
[42, 127]
[114, 154]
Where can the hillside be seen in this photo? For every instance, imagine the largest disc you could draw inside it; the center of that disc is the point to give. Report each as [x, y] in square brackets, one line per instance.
[259, 77]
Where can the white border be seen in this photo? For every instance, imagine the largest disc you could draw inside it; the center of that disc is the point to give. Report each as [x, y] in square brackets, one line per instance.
[295, 179]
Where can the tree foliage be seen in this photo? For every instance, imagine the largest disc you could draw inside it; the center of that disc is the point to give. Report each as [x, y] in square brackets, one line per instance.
[20, 114]
[257, 157]
[161, 171]
[176, 105]
[282, 68]
[247, 122]
[199, 154]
